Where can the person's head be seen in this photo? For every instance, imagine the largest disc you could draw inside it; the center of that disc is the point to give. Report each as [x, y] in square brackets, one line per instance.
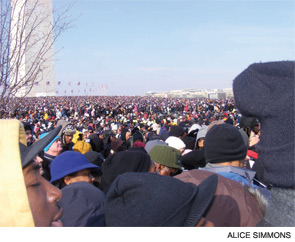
[29, 135]
[36, 203]
[54, 148]
[166, 160]
[70, 167]
[176, 143]
[176, 131]
[150, 144]
[224, 145]
[176, 204]
[122, 162]
[68, 138]
[201, 137]
[249, 124]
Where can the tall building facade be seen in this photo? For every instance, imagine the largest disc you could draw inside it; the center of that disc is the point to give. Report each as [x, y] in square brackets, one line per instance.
[37, 63]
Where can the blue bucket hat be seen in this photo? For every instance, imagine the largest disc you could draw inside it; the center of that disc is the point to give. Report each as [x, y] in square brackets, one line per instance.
[67, 163]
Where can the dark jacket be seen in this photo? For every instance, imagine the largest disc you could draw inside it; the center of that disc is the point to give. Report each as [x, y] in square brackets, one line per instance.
[83, 205]
[232, 205]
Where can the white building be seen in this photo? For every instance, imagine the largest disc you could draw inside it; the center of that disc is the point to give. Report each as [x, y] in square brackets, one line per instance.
[41, 21]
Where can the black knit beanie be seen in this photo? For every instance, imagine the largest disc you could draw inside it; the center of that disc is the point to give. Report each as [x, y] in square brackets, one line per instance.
[151, 200]
[223, 142]
[122, 162]
[266, 91]
[137, 136]
[176, 131]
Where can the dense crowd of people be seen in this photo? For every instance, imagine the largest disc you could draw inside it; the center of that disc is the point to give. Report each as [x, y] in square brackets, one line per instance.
[146, 161]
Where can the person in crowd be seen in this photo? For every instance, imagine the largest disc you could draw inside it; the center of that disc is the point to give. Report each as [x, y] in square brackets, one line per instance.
[266, 91]
[200, 138]
[95, 158]
[166, 160]
[176, 143]
[52, 150]
[193, 160]
[225, 153]
[29, 134]
[30, 200]
[150, 144]
[232, 205]
[66, 134]
[176, 131]
[122, 162]
[82, 203]
[141, 200]
[138, 139]
[82, 147]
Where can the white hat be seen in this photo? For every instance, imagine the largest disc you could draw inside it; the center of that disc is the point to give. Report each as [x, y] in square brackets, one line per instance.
[175, 142]
[202, 132]
[194, 127]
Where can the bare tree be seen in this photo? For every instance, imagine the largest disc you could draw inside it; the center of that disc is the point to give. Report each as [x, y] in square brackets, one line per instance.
[28, 32]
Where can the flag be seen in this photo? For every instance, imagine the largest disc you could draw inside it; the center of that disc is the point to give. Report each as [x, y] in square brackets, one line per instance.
[59, 83]
[78, 83]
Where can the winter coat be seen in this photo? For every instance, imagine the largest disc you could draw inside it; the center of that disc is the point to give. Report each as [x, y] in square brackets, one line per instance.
[232, 205]
[241, 175]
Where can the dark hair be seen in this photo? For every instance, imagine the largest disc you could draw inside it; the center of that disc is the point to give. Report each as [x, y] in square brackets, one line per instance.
[60, 182]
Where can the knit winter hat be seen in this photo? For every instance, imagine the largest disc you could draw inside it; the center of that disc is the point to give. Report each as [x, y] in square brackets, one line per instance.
[95, 158]
[175, 142]
[194, 159]
[137, 136]
[266, 91]
[165, 155]
[48, 146]
[223, 143]
[189, 142]
[176, 131]
[248, 122]
[128, 202]
[122, 162]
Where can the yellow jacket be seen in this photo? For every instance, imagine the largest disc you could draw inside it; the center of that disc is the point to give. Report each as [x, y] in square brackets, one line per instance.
[14, 203]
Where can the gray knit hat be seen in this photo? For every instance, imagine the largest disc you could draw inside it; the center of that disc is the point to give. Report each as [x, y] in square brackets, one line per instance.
[266, 91]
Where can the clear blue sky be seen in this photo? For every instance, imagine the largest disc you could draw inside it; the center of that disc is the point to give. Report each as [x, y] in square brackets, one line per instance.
[139, 46]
